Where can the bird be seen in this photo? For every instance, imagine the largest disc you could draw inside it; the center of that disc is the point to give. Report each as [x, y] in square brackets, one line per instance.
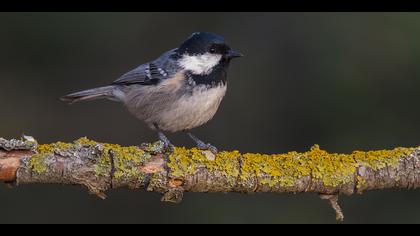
[180, 90]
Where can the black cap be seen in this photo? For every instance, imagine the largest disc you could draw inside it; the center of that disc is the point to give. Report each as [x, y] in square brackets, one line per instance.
[199, 42]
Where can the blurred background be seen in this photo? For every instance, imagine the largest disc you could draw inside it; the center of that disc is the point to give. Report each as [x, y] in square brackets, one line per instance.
[345, 81]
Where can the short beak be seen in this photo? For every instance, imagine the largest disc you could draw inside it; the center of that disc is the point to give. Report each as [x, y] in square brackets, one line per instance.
[233, 54]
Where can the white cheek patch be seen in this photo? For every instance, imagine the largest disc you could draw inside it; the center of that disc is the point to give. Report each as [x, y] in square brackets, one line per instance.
[200, 64]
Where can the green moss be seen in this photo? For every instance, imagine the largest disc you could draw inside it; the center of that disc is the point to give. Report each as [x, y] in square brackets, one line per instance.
[285, 169]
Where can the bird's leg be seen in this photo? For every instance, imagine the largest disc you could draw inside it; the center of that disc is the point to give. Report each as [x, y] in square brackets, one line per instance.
[202, 145]
[163, 138]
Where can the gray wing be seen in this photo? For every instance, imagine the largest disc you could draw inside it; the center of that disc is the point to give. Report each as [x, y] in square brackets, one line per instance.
[150, 73]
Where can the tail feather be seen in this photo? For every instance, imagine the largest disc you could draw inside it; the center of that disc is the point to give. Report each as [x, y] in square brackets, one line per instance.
[90, 94]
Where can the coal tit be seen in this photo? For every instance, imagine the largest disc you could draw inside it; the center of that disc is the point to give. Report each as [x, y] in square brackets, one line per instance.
[180, 90]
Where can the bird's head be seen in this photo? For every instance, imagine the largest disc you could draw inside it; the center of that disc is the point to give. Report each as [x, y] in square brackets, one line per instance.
[202, 51]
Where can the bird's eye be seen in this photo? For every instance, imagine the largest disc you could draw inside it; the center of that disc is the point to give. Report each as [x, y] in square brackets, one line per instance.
[212, 49]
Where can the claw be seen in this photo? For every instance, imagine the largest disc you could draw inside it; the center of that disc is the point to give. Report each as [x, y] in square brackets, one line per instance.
[203, 146]
[166, 143]
[170, 147]
[207, 146]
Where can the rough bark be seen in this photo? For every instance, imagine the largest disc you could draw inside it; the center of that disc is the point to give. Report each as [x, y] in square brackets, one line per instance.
[101, 166]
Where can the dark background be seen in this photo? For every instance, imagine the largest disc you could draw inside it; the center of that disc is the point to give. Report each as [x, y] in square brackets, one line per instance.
[346, 81]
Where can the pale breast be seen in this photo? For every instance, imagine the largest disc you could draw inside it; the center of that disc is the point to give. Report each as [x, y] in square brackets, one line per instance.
[192, 109]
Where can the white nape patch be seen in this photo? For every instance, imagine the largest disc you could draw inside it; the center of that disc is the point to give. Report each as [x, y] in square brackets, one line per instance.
[200, 64]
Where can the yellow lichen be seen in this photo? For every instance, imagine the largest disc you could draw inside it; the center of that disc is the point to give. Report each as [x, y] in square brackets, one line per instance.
[332, 169]
[381, 158]
[50, 148]
[126, 159]
[37, 161]
[84, 141]
[186, 161]
[155, 147]
[360, 182]
[284, 170]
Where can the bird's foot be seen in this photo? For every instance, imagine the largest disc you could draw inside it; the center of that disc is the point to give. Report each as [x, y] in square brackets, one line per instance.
[166, 143]
[207, 146]
[202, 145]
[168, 146]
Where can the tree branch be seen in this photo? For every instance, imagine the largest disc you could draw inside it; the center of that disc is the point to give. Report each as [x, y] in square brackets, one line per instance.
[102, 166]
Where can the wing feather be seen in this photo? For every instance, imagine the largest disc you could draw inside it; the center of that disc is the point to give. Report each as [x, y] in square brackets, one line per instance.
[149, 73]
